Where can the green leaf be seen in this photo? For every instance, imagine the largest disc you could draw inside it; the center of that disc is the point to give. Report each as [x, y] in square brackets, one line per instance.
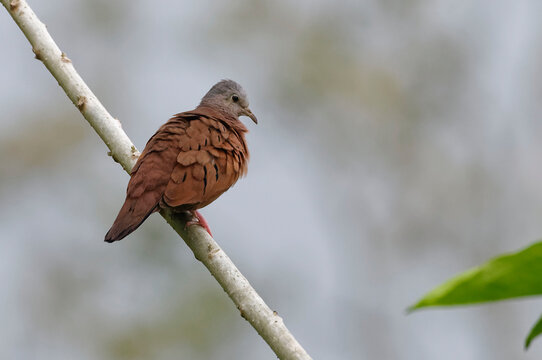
[504, 277]
[535, 331]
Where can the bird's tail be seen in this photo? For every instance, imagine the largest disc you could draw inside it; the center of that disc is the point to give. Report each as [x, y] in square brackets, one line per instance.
[131, 215]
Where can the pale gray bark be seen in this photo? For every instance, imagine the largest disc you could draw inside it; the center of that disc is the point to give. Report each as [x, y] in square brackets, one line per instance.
[251, 306]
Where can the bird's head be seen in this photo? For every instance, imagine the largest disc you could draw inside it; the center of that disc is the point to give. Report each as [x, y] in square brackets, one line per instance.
[230, 97]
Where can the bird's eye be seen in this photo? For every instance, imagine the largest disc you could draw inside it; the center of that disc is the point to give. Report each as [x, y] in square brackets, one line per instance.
[235, 98]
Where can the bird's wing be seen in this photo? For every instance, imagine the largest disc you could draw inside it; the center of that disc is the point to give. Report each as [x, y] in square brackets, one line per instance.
[209, 161]
[149, 178]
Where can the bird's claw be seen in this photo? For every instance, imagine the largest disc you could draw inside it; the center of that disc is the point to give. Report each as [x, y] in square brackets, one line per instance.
[198, 219]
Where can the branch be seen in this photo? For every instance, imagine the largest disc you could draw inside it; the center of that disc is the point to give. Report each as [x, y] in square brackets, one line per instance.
[252, 307]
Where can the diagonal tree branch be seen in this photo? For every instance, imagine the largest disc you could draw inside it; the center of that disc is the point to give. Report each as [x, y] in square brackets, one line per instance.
[252, 307]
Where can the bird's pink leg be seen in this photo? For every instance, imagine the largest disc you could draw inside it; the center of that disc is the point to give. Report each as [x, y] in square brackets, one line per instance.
[198, 219]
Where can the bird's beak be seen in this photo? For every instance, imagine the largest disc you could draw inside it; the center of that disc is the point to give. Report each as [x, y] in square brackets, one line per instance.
[249, 113]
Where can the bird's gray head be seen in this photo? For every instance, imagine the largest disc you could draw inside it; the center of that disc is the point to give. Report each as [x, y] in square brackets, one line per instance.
[230, 97]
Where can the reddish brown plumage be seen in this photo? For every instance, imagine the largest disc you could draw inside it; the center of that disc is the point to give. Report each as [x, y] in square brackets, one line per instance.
[189, 162]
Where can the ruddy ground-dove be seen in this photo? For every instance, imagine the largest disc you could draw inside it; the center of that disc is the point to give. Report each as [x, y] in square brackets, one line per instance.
[190, 161]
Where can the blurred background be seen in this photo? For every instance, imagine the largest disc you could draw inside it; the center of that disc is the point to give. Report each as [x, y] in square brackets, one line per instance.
[398, 144]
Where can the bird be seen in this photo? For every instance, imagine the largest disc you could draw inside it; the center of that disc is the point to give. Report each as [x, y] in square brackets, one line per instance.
[189, 162]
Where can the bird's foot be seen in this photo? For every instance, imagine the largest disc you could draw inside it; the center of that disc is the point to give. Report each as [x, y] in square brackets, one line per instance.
[198, 219]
